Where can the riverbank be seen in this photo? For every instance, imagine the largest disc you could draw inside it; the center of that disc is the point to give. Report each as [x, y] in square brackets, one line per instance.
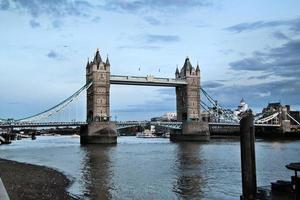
[26, 181]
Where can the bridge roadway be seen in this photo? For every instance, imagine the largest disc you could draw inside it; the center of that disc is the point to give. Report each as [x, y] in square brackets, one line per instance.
[147, 81]
[120, 125]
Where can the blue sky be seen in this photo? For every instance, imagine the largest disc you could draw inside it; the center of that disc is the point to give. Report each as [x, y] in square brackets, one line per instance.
[245, 49]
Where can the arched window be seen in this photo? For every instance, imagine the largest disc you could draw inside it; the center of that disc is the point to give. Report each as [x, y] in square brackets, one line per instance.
[90, 116]
[97, 119]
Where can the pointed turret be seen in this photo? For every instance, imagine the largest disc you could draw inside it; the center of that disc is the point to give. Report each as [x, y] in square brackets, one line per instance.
[197, 68]
[187, 64]
[88, 63]
[177, 72]
[97, 58]
[107, 63]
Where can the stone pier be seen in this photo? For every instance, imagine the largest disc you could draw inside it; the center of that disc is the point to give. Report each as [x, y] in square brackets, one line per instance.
[191, 131]
[98, 133]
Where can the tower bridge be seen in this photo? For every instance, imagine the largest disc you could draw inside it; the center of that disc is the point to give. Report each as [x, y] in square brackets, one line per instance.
[98, 127]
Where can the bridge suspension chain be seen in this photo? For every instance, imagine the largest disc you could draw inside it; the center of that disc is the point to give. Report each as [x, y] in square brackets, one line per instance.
[292, 118]
[219, 113]
[57, 108]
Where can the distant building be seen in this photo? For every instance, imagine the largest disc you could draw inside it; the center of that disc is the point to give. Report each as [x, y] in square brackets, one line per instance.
[169, 116]
[272, 107]
[156, 119]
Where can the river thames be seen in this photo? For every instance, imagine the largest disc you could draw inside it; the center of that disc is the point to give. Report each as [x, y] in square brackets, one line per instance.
[138, 168]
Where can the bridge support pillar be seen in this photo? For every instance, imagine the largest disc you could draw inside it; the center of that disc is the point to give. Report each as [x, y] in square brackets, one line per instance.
[191, 131]
[286, 126]
[98, 133]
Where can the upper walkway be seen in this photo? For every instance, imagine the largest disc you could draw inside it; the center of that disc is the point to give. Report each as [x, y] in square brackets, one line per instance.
[147, 81]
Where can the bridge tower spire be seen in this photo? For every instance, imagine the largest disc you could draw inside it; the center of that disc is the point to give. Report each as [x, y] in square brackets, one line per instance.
[99, 128]
[188, 104]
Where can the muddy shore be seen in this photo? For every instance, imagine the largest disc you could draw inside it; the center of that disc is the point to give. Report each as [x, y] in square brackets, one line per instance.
[26, 181]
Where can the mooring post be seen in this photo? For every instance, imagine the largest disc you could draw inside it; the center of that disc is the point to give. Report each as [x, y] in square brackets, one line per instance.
[247, 137]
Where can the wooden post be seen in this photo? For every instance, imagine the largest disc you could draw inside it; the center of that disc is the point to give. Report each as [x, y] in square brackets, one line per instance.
[247, 137]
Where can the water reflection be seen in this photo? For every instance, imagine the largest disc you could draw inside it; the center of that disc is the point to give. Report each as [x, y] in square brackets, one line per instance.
[97, 172]
[189, 181]
[140, 168]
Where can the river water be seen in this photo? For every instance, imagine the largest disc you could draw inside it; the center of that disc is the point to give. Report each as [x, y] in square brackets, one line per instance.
[156, 168]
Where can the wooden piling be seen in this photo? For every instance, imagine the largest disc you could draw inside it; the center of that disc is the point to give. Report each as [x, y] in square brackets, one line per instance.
[247, 140]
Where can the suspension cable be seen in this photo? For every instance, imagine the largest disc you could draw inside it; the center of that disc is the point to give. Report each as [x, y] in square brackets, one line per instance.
[60, 106]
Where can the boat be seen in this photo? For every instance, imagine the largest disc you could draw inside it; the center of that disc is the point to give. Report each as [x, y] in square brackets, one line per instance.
[166, 135]
[75, 136]
[146, 134]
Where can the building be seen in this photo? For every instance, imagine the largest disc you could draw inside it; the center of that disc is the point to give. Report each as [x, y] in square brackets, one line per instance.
[169, 116]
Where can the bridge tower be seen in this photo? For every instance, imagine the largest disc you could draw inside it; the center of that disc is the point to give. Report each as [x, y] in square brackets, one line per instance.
[188, 105]
[99, 128]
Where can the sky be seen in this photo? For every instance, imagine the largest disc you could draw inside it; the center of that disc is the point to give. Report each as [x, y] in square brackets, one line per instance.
[246, 49]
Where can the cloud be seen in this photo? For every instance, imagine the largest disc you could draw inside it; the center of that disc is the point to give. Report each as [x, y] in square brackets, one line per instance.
[96, 19]
[293, 24]
[283, 61]
[143, 47]
[152, 21]
[257, 95]
[4, 4]
[152, 38]
[280, 36]
[142, 5]
[211, 84]
[57, 23]
[56, 8]
[53, 55]
[226, 51]
[34, 23]
[264, 94]
[260, 77]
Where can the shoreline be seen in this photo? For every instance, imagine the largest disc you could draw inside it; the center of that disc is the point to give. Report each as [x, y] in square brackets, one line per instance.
[27, 181]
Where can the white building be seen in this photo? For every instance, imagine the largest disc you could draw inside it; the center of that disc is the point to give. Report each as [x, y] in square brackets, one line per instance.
[170, 116]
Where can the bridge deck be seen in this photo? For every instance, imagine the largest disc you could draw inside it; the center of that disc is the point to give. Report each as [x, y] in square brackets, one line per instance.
[147, 81]
[121, 124]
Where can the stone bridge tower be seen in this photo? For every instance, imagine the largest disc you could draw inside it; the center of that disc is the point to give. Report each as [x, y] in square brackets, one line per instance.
[99, 128]
[188, 105]
[98, 72]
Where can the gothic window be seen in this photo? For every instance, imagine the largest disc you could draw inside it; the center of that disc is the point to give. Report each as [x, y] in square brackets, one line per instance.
[97, 119]
[90, 116]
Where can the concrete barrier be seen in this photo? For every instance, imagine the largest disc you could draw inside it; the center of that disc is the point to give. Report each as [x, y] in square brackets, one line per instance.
[3, 192]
